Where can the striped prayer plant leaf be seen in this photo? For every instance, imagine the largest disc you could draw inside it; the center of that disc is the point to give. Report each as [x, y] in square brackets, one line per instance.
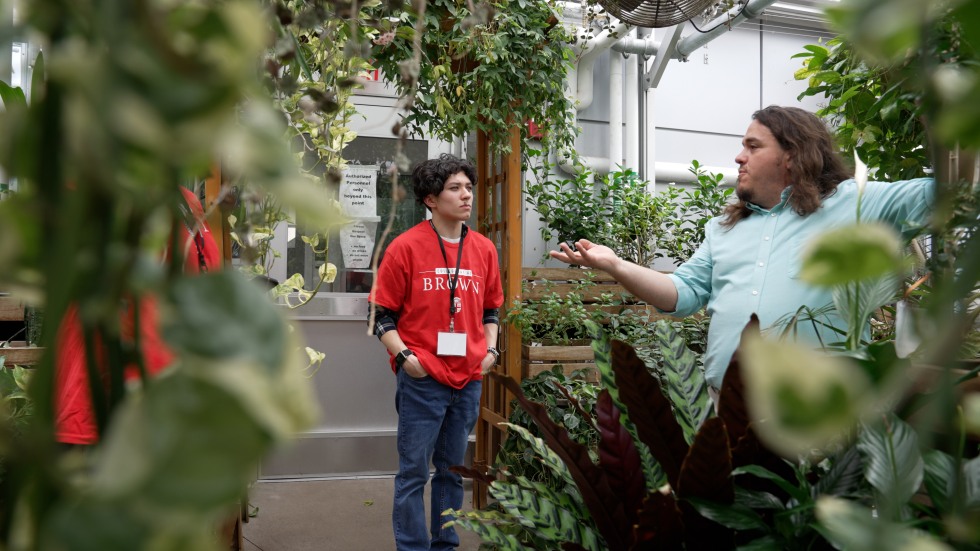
[546, 454]
[686, 386]
[488, 524]
[546, 519]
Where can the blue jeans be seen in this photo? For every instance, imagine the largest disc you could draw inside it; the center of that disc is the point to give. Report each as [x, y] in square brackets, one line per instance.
[434, 423]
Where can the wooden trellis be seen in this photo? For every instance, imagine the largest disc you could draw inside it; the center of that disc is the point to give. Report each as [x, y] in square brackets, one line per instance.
[499, 212]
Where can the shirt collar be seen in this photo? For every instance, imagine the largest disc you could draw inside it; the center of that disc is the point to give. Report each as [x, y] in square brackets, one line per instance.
[783, 198]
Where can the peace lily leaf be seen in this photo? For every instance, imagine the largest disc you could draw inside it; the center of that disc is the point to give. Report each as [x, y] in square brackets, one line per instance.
[853, 527]
[221, 315]
[893, 463]
[852, 253]
[803, 399]
[939, 478]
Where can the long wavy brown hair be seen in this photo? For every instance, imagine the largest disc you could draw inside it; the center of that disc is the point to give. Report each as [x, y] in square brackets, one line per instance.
[817, 166]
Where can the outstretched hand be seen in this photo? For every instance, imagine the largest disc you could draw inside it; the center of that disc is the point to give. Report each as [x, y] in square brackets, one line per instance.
[587, 254]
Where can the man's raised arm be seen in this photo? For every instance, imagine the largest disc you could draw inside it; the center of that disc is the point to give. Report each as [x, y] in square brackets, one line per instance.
[648, 285]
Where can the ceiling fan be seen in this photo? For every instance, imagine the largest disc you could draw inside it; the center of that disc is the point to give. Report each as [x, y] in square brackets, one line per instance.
[655, 13]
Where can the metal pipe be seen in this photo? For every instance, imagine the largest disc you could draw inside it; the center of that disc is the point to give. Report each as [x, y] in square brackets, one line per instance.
[723, 23]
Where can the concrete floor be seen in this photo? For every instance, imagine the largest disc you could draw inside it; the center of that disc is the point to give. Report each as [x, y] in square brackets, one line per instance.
[328, 515]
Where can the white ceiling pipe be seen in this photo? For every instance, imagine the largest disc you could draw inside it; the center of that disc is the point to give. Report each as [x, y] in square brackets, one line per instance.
[641, 46]
[615, 110]
[721, 24]
[680, 173]
[590, 50]
[632, 112]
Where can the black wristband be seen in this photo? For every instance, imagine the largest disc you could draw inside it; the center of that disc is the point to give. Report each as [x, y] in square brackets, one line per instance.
[402, 356]
[495, 352]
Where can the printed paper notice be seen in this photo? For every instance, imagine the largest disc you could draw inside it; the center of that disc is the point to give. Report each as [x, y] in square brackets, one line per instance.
[357, 243]
[359, 191]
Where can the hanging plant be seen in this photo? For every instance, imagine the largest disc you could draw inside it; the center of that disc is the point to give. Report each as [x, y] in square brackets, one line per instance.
[481, 67]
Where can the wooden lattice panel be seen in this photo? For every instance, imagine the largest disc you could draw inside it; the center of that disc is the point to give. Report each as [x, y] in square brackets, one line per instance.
[498, 210]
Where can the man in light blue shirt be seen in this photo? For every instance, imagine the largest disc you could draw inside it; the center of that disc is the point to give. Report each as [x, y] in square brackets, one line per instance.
[792, 185]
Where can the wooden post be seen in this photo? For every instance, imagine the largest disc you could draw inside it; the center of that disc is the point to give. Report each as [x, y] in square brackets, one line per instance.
[499, 213]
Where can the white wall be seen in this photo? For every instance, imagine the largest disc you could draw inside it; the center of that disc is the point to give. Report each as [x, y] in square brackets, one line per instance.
[701, 106]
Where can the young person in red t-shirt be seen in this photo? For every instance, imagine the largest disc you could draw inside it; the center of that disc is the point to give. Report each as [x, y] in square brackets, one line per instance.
[437, 298]
[75, 422]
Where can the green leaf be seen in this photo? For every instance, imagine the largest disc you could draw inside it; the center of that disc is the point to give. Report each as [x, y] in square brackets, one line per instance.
[761, 472]
[852, 253]
[221, 315]
[855, 528]
[546, 519]
[893, 463]
[736, 516]
[13, 98]
[38, 79]
[808, 399]
[686, 386]
[185, 445]
[487, 524]
[939, 475]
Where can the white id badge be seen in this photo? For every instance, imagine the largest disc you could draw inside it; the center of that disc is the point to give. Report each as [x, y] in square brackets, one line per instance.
[451, 344]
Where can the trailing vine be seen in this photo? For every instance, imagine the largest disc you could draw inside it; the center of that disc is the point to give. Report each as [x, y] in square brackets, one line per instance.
[481, 67]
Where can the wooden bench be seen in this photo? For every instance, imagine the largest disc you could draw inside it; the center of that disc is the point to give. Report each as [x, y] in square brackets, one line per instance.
[17, 353]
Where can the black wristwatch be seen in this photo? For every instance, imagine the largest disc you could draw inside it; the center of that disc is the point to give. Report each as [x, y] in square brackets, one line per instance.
[402, 356]
[495, 352]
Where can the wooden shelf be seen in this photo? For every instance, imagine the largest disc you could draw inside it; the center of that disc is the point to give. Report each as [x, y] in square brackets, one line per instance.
[20, 354]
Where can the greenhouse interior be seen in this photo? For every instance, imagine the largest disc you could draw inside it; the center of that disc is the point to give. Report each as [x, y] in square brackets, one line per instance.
[720, 288]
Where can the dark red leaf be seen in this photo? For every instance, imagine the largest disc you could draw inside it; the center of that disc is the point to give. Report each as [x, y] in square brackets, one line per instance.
[603, 503]
[649, 410]
[619, 458]
[659, 526]
[731, 402]
[707, 474]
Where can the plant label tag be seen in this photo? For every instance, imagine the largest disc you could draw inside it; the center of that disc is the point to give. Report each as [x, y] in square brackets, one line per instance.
[451, 344]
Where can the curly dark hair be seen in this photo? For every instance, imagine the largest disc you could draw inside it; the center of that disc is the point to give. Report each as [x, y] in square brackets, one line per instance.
[429, 177]
[817, 167]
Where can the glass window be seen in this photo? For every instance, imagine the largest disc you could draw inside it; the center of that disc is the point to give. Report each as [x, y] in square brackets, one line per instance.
[365, 192]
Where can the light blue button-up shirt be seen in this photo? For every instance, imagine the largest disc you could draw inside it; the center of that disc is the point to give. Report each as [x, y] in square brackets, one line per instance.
[754, 266]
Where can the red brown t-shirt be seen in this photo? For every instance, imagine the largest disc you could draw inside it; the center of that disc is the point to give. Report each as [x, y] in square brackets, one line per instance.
[413, 280]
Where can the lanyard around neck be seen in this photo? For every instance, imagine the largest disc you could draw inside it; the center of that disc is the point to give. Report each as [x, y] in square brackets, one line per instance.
[452, 279]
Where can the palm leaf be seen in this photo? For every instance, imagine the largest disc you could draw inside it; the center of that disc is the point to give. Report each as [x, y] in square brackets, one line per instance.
[650, 410]
[686, 386]
[602, 502]
[893, 463]
[618, 457]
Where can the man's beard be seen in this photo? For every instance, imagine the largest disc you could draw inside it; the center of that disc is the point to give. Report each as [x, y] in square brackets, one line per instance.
[744, 194]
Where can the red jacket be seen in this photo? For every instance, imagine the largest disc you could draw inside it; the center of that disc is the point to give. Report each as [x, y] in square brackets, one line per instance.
[74, 415]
